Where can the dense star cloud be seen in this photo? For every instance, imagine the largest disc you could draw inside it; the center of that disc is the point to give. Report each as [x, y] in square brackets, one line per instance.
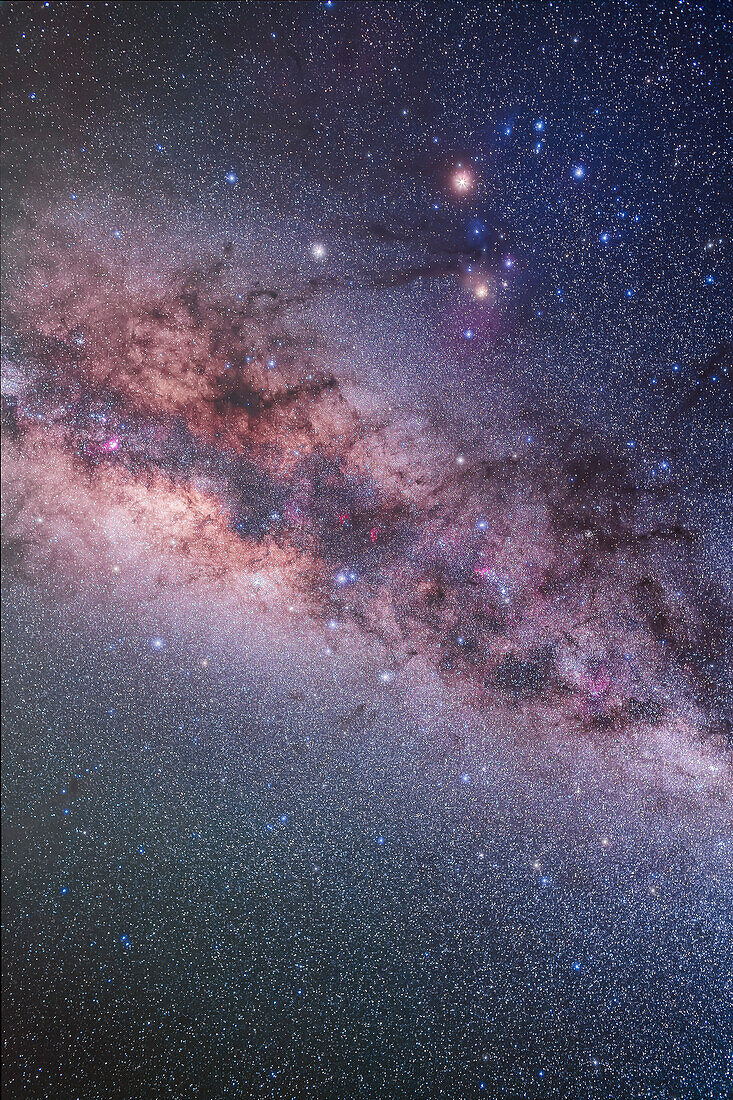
[366, 551]
[541, 578]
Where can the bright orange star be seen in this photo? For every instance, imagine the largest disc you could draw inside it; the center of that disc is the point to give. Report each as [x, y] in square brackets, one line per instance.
[462, 181]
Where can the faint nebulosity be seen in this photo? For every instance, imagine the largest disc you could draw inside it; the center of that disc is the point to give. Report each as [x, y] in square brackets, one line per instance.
[366, 550]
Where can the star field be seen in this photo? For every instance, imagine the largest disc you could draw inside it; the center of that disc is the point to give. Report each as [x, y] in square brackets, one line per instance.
[366, 550]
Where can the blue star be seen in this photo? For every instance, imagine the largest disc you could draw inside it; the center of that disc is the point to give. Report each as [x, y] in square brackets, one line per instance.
[346, 577]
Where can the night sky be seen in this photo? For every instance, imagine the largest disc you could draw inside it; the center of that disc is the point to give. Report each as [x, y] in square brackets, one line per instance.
[367, 539]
